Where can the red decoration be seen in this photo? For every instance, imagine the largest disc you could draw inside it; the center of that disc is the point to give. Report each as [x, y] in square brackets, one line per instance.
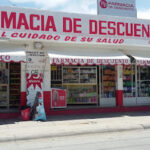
[35, 80]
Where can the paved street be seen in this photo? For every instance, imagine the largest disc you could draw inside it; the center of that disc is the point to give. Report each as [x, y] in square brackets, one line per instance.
[128, 140]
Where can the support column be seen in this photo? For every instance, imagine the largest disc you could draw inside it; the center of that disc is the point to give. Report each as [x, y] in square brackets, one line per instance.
[35, 70]
[23, 99]
[119, 86]
[47, 86]
[35, 73]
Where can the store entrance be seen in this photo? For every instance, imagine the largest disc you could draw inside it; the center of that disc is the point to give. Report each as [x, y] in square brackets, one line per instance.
[10, 78]
[136, 85]
[143, 85]
[107, 84]
[129, 85]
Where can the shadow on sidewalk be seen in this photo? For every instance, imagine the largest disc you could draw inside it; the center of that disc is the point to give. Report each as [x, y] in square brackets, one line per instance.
[79, 117]
[9, 121]
[97, 116]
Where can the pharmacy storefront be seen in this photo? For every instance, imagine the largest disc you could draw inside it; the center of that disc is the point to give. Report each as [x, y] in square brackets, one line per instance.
[87, 61]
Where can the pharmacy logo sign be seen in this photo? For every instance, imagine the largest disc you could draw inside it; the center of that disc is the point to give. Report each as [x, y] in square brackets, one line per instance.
[103, 4]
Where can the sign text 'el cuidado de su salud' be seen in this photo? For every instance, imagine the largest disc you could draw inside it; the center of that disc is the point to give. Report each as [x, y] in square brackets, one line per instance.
[17, 23]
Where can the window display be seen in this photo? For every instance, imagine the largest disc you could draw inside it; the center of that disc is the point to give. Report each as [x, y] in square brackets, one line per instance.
[81, 94]
[88, 75]
[129, 81]
[80, 75]
[143, 81]
[70, 75]
[108, 81]
[81, 84]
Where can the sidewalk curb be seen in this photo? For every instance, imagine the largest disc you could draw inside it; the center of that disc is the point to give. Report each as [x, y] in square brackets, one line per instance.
[74, 133]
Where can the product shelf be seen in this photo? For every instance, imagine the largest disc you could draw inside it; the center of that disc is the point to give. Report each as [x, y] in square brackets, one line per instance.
[82, 91]
[108, 81]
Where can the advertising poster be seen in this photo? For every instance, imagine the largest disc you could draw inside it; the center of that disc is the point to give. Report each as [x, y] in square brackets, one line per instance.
[34, 78]
[58, 99]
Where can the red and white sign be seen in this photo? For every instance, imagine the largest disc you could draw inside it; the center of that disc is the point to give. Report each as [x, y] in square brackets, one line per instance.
[12, 56]
[8, 58]
[125, 8]
[67, 61]
[30, 24]
[34, 80]
[58, 99]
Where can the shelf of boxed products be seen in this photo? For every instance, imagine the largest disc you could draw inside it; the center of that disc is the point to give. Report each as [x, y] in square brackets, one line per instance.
[3, 95]
[70, 75]
[108, 78]
[80, 75]
[82, 95]
[88, 75]
[128, 83]
[15, 79]
[108, 82]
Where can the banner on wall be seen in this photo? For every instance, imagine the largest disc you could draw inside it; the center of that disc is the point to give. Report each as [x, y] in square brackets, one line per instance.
[34, 74]
[34, 77]
[58, 99]
[37, 25]
[125, 8]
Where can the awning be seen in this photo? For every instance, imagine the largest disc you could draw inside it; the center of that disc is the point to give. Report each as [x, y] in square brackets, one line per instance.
[12, 54]
[142, 58]
[142, 61]
[92, 57]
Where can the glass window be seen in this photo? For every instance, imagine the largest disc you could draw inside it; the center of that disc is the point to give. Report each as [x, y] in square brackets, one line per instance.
[129, 89]
[81, 94]
[70, 75]
[88, 75]
[108, 81]
[143, 81]
[80, 84]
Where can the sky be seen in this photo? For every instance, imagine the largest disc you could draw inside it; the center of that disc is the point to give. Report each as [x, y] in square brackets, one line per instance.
[75, 6]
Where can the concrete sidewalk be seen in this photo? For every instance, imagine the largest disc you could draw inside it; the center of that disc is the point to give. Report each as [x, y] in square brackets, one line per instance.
[56, 126]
